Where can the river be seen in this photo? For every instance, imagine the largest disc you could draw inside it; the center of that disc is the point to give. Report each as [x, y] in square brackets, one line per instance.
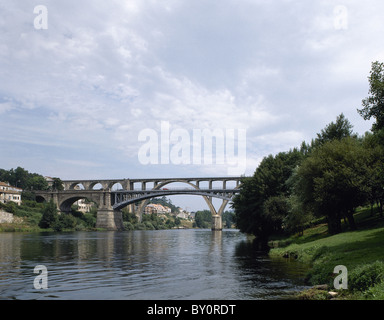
[187, 264]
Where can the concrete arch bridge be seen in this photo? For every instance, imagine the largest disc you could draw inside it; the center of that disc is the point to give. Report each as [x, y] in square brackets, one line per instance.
[113, 195]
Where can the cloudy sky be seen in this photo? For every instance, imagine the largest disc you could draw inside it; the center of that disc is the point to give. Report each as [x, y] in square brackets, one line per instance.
[78, 87]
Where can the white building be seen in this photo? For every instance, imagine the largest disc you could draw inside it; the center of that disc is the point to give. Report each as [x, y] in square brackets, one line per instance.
[9, 193]
[183, 214]
[156, 208]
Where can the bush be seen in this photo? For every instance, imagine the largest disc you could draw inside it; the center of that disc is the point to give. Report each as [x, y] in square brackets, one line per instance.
[149, 225]
[140, 226]
[321, 274]
[68, 221]
[366, 276]
[89, 220]
[376, 292]
[128, 226]
[10, 207]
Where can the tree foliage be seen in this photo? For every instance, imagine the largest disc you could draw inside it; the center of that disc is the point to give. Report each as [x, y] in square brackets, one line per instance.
[373, 105]
[50, 216]
[330, 182]
[330, 177]
[21, 178]
[203, 219]
[261, 205]
[338, 130]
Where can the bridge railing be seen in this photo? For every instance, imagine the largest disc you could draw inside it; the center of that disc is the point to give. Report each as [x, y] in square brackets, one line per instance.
[175, 189]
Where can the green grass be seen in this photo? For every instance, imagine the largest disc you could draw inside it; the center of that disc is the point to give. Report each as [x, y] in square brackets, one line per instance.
[352, 249]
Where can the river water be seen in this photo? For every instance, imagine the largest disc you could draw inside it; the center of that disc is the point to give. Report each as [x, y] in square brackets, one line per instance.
[187, 264]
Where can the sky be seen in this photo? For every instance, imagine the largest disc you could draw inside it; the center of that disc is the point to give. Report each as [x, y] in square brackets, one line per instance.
[121, 89]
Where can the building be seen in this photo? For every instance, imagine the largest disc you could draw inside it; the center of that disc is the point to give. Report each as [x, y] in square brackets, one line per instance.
[156, 208]
[83, 205]
[183, 214]
[9, 193]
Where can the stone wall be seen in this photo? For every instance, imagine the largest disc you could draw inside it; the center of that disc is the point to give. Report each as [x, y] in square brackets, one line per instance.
[6, 217]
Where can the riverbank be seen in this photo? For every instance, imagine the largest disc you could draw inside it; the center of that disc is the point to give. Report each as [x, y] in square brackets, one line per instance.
[360, 251]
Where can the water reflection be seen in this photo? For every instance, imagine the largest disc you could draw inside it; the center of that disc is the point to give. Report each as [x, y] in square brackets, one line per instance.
[166, 264]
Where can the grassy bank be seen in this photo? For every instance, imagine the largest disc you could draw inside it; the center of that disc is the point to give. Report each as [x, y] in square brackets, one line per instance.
[360, 251]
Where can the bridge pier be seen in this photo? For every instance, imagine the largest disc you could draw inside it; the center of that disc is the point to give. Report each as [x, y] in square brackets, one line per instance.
[217, 223]
[109, 219]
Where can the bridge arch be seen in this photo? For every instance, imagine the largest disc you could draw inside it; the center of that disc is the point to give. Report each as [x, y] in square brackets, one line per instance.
[162, 194]
[115, 185]
[164, 183]
[95, 186]
[65, 206]
[65, 203]
[40, 199]
[79, 184]
[144, 199]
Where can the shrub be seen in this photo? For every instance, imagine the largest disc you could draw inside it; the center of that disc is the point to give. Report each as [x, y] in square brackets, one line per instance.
[10, 207]
[149, 225]
[64, 221]
[376, 292]
[366, 276]
[128, 226]
[140, 226]
[321, 273]
[68, 221]
[89, 220]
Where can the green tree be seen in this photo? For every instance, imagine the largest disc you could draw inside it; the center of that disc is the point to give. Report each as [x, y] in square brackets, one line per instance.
[338, 130]
[275, 210]
[203, 219]
[260, 195]
[57, 184]
[374, 177]
[330, 182]
[228, 218]
[373, 105]
[64, 221]
[37, 182]
[21, 178]
[177, 221]
[50, 216]
[297, 217]
[129, 217]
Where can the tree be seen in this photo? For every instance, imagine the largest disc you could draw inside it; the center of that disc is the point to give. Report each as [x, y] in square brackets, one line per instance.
[373, 105]
[57, 184]
[374, 177]
[50, 216]
[21, 178]
[228, 218]
[330, 182]
[203, 219]
[297, 217]
[64, 221]
[338, 130]
[275, 211]
[177, 221]
[37, 182]
[261, 195]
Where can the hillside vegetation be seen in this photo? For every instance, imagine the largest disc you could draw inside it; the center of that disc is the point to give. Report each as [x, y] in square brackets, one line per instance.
[360, 251]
